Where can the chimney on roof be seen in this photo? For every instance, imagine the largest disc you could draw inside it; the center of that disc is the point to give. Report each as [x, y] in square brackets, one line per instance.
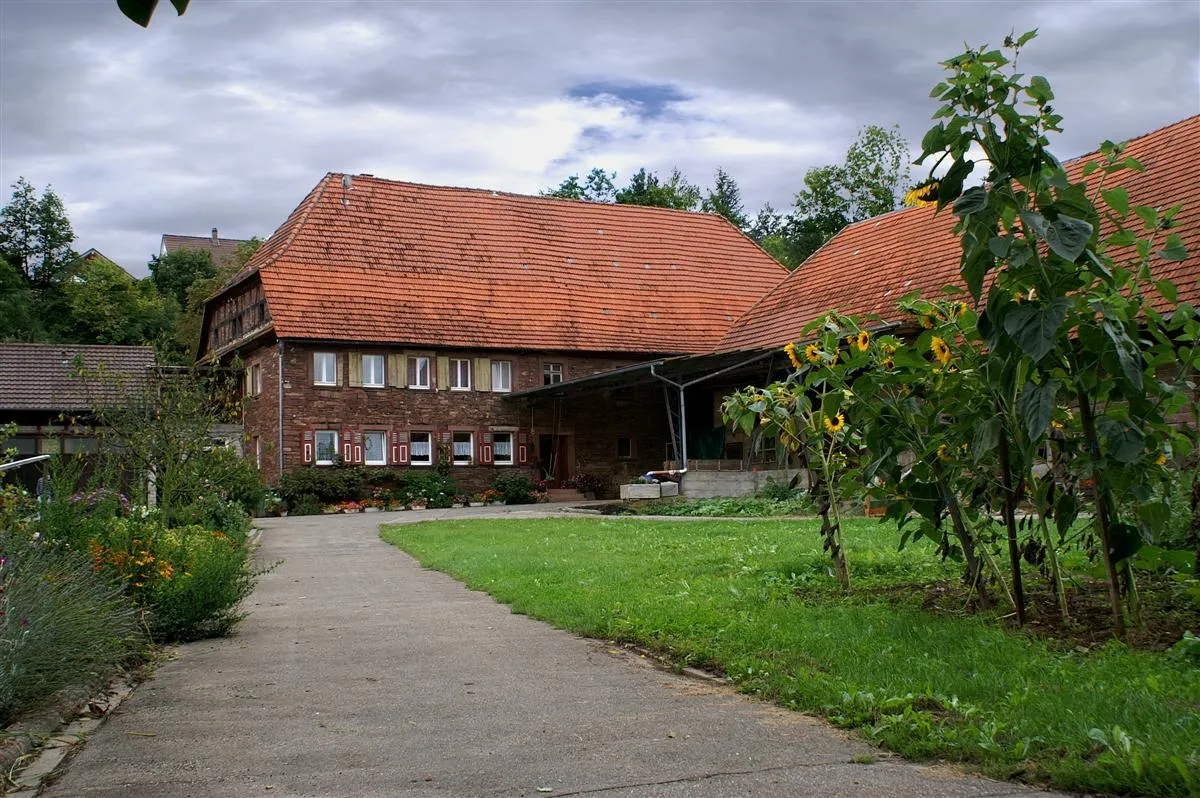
[216, 241]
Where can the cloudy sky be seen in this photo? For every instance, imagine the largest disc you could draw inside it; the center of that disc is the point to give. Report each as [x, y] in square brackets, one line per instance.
[228, 115]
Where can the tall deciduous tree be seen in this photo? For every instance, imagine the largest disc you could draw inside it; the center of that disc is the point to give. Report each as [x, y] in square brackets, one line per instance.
[597, 186]
[646, 188]
[871, 181]
[174, 272]
[36, 235]
[107, 306]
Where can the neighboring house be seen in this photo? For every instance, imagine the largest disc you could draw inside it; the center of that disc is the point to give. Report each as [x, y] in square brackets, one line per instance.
[390, 323]
[223, 250]
[41, 391]
[93, 254]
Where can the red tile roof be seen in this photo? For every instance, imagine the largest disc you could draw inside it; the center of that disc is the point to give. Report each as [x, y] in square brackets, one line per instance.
[223, 250]
[868, 266]
[42, 376]
[387, 261]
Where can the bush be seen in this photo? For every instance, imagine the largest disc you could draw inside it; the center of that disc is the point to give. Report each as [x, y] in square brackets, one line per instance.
[327, 484]
[222, 472]
[212, 575]
[304, 504]
[61, 624]
[515, 488]
[780, 490]
[213, 512]
[435, 489]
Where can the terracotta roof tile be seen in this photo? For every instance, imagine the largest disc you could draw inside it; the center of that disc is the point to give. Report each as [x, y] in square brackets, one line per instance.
[868, 266]
[223, 251]
[41, 376]
[388, 261]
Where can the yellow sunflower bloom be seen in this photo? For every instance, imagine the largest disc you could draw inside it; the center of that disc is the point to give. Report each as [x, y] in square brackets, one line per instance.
[959, 309]
[791, 353]
[925, 193]
[1162, 459]
[813, 353]
[864, 339]
[835, 424]
[943, 452]
[940, 350]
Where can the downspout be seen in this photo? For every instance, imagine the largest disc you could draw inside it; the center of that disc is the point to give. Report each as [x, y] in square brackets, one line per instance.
[281, 409]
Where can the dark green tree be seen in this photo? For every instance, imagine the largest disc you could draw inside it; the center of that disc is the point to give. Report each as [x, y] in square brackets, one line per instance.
[36, 235]
[645, 188]
[175, 272]
[17, 321]
[597, 186]
[725, 198]
[107, 306]
[871, 181]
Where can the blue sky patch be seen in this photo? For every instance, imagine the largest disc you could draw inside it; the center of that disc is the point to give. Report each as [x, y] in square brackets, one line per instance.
[650, 99]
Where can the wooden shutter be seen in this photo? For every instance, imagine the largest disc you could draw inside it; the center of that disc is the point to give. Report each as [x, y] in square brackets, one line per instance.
[522, 448]
[337, 366]
[483, 374]
[396, 371]
[347, 446]
[400, 448]
[306, 447]
[485, 446]
[358, 447]
[356, 369]
[443, 374]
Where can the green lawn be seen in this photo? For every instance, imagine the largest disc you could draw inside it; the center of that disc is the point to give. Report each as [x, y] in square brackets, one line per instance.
[753, 599]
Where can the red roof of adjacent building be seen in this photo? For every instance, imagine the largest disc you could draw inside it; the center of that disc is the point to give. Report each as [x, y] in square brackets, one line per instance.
[222, 250]
[868, 266]
[387, 261]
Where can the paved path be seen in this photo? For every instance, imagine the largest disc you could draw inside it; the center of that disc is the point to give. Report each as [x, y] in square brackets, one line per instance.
[358, 673]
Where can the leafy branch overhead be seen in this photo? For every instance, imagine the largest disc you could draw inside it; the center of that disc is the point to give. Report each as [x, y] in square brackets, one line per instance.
[140, 11]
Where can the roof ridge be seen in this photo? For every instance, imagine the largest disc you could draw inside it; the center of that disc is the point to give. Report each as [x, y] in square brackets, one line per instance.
[518, 195]
[306, 205]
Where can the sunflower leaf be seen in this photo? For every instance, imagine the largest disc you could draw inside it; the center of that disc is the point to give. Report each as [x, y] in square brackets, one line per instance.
[1068, 237]
[1034, 327]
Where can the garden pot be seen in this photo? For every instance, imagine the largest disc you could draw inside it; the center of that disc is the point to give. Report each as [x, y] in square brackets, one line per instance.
[476, 504]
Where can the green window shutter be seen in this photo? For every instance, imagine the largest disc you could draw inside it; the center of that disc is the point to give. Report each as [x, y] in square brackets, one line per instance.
[396, 370]
[355, 369]
[483, 374]
[443, 373]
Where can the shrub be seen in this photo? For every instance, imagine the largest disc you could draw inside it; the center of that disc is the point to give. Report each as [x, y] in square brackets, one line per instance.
[212, 575]
[304, 504]
[224, 473]
[327, 484]
[212, 512]
[780, 490]
[515, 488]
[61, 623]
[435, 489]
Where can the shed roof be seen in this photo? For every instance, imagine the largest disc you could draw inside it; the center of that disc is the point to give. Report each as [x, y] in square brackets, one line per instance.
[45, 376]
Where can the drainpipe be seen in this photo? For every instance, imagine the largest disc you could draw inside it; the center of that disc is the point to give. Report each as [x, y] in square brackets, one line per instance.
[281, 409]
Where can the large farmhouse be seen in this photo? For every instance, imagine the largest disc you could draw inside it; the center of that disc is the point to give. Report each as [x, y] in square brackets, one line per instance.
[390, 323]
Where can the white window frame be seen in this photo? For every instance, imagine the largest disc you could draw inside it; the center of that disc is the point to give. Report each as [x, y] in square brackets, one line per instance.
[512, 449]
[419, 360]
[454, 442]
[502, 376]
[551, 371]
[253, 379]
[379, 371]
[460, 367]
[383, 443]
[412, 451]
[317, 434]
[318, 370]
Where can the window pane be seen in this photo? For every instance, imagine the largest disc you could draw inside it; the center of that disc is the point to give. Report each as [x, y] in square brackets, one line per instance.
[374, 444]
[326, 446]
[421, 448]
[418, 372]
[463, 447]
[372, 366]
[501, 376]
[552, 373]
[502, 448]
[325, 368]
[460, 374]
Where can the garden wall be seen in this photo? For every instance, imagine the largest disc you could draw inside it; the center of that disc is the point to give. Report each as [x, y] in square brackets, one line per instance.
[711, 484]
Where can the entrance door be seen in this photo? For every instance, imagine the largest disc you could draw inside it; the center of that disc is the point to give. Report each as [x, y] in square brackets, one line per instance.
[554, 463]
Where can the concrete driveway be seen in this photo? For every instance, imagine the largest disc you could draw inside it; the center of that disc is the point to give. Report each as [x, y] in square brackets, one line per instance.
[358, 673]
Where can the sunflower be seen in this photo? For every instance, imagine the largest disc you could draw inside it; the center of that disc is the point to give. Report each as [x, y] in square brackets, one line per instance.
[791, 353]
[835, 424]
[864, 338]
[924, 193]
[959, 309]
[813, 353]
[940, 350]
[927, 322]
[943, 452]
[888, 363]
[1161, 459]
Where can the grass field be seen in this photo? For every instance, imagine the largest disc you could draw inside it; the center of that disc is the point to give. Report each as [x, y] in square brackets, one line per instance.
[754, 600]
